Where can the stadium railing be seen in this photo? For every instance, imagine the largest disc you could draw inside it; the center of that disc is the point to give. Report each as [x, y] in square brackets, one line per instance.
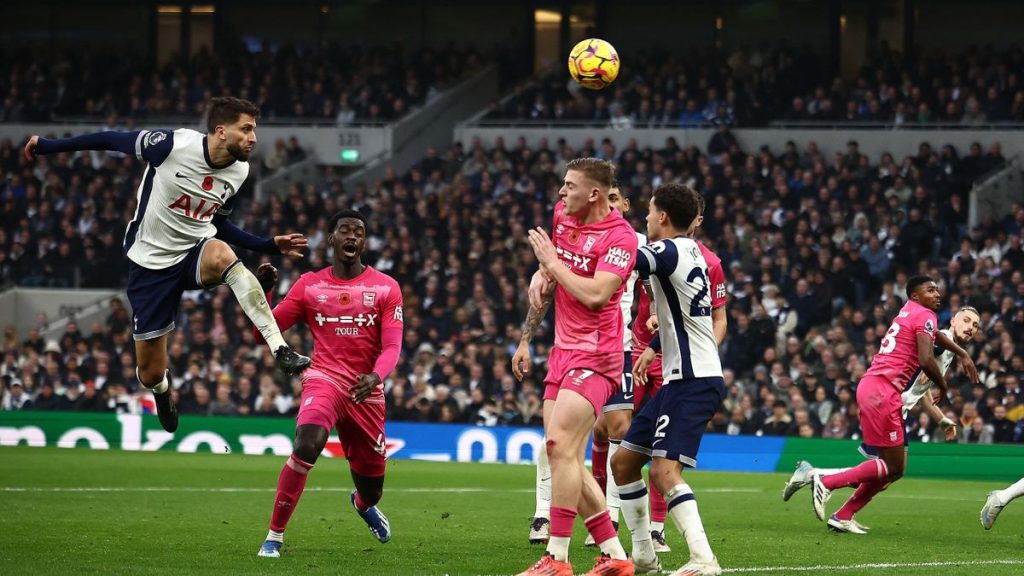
[829, 140]
[994, 193]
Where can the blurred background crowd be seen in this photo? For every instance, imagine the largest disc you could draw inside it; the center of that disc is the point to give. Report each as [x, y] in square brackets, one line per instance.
[816, 249]
[756, 86]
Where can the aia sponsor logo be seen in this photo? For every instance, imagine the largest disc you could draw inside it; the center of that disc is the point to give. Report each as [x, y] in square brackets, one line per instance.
[194, 209]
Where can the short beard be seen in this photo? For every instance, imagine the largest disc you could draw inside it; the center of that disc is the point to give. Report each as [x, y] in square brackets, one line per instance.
[238, 153]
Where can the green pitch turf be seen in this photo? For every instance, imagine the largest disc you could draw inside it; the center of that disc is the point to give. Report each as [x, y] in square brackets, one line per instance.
[99, 512]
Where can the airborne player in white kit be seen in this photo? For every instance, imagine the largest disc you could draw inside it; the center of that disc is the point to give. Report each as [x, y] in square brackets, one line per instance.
[179, 238]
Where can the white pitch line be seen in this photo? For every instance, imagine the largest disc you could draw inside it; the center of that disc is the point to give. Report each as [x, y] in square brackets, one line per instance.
[448, 490]
[230, 490]
[838, 567]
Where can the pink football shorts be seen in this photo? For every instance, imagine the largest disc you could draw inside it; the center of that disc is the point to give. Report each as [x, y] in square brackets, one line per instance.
[360, 426]
[880, 412]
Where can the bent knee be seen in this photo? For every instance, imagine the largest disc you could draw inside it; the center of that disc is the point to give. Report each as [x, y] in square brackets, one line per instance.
[307, 449]
[558, 449]
[218, 256]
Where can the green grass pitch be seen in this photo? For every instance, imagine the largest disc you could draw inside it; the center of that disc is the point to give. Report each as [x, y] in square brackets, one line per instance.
[113, 512]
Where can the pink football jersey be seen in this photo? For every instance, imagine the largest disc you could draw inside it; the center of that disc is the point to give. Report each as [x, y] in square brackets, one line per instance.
[715, 274]
[896, 360]
[608, 246]
[347, 319]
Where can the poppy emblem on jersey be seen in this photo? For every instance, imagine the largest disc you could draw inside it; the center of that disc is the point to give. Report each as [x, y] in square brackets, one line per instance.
[344, 299]
[574, 237]
[368, 298]
[208, 183]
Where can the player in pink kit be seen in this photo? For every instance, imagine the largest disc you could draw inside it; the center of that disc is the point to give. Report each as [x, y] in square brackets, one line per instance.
[906, 347]
[589, 260]
[355, 315]
[644, 332]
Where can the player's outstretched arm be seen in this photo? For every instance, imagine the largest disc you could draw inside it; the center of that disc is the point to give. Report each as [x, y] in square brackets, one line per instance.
[926, 358]
[947, 425]
[124, 142]
[286, 244]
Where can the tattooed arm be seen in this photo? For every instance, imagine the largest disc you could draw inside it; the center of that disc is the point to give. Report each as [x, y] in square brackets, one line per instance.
[521, 361]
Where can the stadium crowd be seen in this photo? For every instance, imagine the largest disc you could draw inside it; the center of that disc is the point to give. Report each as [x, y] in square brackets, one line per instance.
[754, 86]
[343, 84]
[816, 248]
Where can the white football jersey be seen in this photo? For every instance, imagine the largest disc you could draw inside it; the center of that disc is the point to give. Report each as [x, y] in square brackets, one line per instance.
[921, 384]
[682, 300]
[626, 303]
[180, 194]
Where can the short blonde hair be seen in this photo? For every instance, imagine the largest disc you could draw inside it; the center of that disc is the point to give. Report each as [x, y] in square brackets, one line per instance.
[601, 172]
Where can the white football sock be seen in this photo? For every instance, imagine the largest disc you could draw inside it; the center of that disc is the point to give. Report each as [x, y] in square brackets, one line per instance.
[611, 490]
[254, 303]
[636, 512]
[613, 548]
[158, 388]
[684, 513]
[1011, 492]
[275, 536]
[558, 546]
[543, 492]
[658, 526]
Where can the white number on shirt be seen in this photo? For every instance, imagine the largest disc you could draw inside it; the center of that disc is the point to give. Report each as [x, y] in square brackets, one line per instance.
[889, 342]
[701, 275]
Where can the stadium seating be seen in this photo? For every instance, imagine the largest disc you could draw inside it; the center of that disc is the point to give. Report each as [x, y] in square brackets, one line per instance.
[817, 251]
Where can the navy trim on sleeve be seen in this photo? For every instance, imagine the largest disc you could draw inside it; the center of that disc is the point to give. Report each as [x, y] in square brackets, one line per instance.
[235, 236]
[123, 142]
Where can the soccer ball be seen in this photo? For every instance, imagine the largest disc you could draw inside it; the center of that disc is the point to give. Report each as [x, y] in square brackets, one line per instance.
[594, 63]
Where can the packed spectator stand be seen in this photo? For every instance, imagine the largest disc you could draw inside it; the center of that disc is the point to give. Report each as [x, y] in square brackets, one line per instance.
[756, 86]
[817, 251]
[333, 84]
[817, 248]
